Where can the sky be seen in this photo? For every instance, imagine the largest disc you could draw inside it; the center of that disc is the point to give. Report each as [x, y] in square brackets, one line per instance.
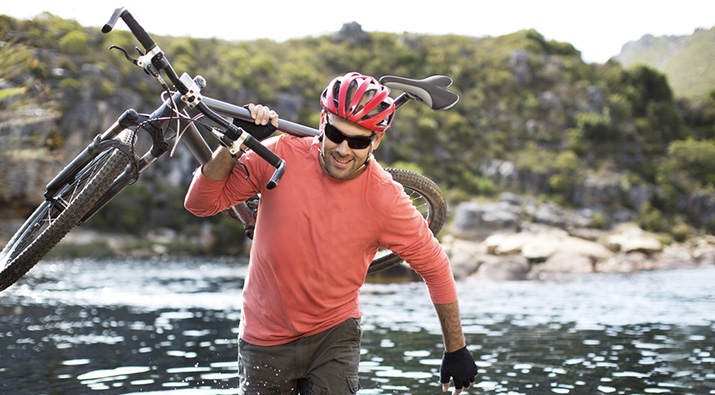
[596, 28]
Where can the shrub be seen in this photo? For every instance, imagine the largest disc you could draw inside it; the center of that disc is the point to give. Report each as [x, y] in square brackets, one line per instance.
[690, 165]
[651, 219]
[680, 231]
[595, 126]
[74, 42]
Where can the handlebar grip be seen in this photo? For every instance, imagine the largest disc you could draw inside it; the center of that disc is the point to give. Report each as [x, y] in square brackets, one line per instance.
[133, 25]
[268, 155]
[112, 20]
[277, 175]
[138, 31]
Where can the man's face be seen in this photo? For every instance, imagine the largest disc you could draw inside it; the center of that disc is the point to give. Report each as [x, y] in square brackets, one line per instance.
[339, 159]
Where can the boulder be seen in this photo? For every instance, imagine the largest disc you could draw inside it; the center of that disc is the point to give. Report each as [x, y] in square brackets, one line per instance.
[703, 250]
[465, 256]
[630, 238]
[541, 243]
[512, 268]
[626, 263]
[675, 256]
[562, 262]
[475, 221]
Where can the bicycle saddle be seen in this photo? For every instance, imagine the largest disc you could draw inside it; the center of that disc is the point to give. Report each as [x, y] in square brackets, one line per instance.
[431, 90]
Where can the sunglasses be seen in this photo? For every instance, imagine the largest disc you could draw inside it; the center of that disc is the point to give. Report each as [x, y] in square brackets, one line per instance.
[354, 142]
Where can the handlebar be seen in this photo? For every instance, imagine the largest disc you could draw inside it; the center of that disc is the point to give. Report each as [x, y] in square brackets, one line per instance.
[138, 31]
[158, 60]
[433, 91]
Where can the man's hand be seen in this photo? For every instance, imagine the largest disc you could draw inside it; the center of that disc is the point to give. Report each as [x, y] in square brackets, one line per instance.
[460, 366]
[262, 117]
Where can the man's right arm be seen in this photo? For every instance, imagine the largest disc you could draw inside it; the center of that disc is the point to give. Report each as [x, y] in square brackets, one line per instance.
[219, 166]
[207, 194]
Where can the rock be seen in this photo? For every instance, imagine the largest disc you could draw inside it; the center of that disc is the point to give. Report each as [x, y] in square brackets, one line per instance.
[549, 214]
[513, 268]
[593, 191]
[640, 194]
[464, 255]
[562, 262]
[699, 204]
[586, 233]
[540, 243]
[475, 221]
[675, 256]
[352, 34]
[506, 243]
[630, 238]
[544, 243]
[703, 250]
[626, 263]
[520, 65]
[503, 173]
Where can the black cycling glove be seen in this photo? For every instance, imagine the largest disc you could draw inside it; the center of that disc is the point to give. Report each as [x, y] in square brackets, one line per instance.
[259, 132]
[460, 366]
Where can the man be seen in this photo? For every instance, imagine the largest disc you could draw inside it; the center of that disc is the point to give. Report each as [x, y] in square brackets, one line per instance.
[315, 237]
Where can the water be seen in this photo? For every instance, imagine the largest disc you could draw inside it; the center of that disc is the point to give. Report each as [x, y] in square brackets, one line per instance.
[164, 326]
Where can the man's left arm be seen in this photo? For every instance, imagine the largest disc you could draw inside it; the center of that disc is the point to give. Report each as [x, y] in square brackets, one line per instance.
[457, 362]
[451, 325]
[410, 237]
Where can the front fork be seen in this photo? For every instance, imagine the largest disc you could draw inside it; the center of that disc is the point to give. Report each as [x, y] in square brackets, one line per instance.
[155, 126]
[99, 144]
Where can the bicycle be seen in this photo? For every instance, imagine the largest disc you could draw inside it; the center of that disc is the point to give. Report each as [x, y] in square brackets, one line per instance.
[109, 163]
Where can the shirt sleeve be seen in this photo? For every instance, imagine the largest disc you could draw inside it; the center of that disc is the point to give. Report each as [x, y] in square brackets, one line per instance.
[408, 235]
[207, 197]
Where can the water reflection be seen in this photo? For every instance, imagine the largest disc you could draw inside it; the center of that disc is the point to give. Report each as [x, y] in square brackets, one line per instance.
[164, 326]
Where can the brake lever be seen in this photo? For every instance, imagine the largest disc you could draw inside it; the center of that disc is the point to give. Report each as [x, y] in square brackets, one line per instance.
[126, 54]
[148, 67]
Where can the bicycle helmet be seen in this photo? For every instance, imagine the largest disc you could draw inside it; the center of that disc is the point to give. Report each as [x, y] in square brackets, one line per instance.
[360, 99]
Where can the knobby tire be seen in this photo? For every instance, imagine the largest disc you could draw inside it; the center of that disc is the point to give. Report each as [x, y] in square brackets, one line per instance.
[427, 198]
[56, 217]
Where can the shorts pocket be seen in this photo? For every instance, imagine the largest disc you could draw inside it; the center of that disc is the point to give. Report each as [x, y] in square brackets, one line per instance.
[356, 328]
[353, 384]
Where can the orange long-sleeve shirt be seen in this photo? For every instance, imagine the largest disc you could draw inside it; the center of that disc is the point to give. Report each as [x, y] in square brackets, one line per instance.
[315, 238]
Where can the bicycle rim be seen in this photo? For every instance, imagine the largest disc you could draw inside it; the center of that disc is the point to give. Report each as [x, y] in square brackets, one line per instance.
[427, 199]
[58, 215]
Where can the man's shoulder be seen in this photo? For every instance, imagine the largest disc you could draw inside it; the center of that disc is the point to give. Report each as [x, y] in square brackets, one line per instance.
[383, 179]
[295, 140]
[290, 143]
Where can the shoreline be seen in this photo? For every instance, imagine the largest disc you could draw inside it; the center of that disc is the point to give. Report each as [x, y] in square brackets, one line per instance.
[534, 252]
[539, 252]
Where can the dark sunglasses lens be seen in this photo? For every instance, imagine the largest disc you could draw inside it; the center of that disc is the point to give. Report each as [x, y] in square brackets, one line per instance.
[336, 136]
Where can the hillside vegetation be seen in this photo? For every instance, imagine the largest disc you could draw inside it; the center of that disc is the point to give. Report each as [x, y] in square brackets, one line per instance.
[688, 61]
[533, 117]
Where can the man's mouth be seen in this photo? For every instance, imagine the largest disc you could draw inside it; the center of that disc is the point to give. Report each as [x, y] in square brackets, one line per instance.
[341, 162]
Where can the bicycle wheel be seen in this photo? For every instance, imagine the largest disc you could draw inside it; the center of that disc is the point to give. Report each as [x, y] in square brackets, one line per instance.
[56, 216]
[427, 198]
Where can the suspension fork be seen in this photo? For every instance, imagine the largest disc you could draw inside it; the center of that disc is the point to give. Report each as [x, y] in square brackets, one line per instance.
[191, 138]
[154, 125]
[126, 120]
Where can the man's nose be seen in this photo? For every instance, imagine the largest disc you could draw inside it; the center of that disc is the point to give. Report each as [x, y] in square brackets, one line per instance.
[343, 148]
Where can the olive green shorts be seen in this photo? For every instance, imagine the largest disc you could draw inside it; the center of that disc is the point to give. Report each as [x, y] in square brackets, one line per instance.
[323, 364]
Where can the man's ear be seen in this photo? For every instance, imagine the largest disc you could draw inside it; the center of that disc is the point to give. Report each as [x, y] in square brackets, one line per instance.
[323, 116]
[376, 142]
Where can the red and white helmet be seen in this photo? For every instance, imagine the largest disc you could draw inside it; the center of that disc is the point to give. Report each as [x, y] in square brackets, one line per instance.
[360, 99]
